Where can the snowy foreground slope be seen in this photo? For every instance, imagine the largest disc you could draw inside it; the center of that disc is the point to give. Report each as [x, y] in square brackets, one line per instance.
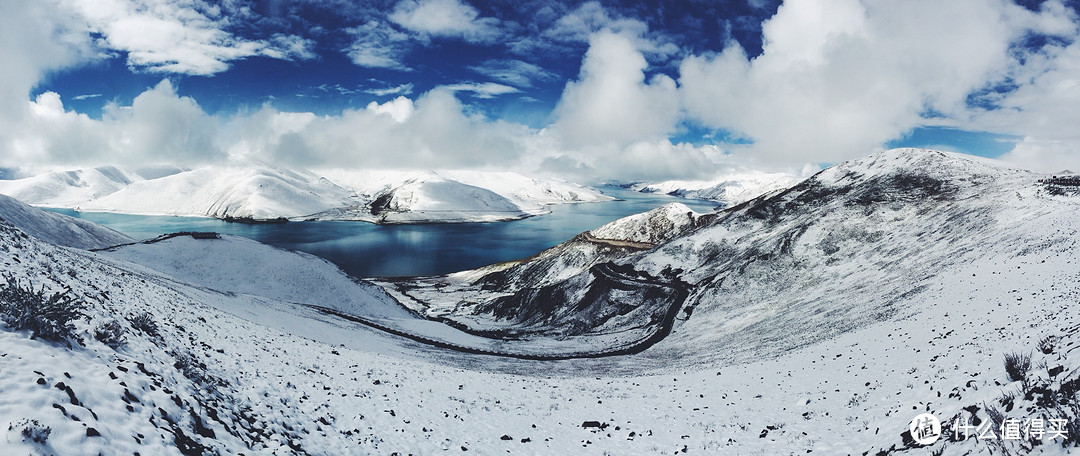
[823, 320]
[57, 228]
[271, 194]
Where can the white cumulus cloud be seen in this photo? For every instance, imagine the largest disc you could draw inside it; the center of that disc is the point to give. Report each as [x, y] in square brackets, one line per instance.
[839, 78]
[378, 45]
[185, 38]
[581, 23]
[836, 79]
[612, 103]
[399, 108]
[445, 18]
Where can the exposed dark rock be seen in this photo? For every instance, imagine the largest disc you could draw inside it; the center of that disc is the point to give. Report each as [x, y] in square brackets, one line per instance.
[1062, 185]
[381, 203]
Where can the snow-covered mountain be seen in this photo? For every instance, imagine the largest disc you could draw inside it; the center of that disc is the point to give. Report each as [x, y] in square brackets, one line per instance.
[819, 320]
[653, 227]
[431, 199]
[874, 228]
[530, 194]
[496, 301]
[69, 188]
[263, 193]
[527, 192]
[895, 240]
[452, 196]
[57, 228]
[728, 189]
[260, 193]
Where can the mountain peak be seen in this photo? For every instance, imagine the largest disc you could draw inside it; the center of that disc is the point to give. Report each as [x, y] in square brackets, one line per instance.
[934, 163]
[652, 227]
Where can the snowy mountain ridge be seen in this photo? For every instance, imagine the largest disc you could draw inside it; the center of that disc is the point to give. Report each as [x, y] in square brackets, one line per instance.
[822, 319]
[57, 228]
[238, 193]
[728, 189]
[263, 193]
[69, 188]
[433, 198]
[652, 227]
[796, 253]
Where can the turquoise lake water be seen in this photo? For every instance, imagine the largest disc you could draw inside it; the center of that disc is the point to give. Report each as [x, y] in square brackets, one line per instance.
[367, 250]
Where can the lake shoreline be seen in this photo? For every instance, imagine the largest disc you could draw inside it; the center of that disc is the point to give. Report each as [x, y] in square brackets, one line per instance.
[366, 250]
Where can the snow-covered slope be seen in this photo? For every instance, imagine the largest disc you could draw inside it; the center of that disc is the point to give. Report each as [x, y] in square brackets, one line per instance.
[488, 301]
[524, 191]
[843, 246]
[433, 199]
[56, 228]
[69, 188]
[528, 193]
[846, 247]
[263, 193]
[227, 193]
[729, 189]
[239, 265]
[452, 196]
[822, 321]
[653, 227]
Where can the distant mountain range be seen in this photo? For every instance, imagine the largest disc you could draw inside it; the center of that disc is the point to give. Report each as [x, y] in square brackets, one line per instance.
[259, 194]
[729, 188]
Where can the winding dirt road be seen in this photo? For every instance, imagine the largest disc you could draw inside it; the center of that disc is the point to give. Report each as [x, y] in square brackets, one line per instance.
[681, 290]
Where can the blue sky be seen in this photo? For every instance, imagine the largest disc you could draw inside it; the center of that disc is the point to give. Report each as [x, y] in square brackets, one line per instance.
[586, 90]
[522, 54]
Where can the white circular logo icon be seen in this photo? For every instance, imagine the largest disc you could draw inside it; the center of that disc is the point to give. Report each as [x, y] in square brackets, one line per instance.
[925, 429]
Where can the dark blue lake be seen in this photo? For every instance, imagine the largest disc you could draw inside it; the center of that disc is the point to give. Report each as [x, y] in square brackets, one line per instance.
[367, 250]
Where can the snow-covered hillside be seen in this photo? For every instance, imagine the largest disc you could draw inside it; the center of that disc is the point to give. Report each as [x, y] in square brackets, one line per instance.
[785, 266]
[871, 243]
[451, 196]
[57, 228]
[432, 199]
[263, 193]
[528, 193]
[227, 193]
[495, 301]
[69, 188]
[728, 189]
[239, 265]
[654, 227]
[818, 321]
